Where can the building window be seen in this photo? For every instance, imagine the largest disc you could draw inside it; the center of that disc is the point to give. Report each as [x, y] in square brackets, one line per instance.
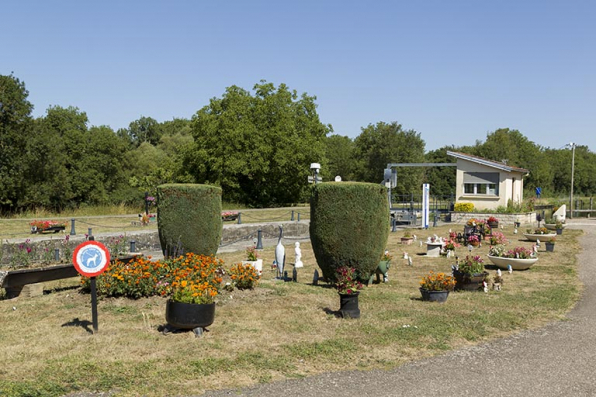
[481, 183]
[488, 189]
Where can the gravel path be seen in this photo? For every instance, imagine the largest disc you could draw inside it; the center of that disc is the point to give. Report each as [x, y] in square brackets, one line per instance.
[556, 360]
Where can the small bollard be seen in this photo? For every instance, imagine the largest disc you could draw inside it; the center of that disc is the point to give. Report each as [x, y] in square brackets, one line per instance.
[292, 218]
[133, 247]
[259, 239]
[295, 275]
[57, 254]
[315, 278]
[89, 233]
[393, 225]
[240, 218]
[72, 227]
[299, 217]
[285, 275]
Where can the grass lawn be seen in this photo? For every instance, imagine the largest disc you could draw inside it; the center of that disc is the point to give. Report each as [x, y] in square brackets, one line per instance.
[278, 331]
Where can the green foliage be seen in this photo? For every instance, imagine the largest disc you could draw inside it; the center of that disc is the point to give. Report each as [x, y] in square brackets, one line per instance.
[349, 226]
[257, 148]
[442, 180]
[380, 144]
[340, 158]
[15, 120]
[189, 218]
[463, 207]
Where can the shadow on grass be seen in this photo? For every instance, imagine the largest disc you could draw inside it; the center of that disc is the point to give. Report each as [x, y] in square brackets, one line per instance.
[335, 313]
[85, 324]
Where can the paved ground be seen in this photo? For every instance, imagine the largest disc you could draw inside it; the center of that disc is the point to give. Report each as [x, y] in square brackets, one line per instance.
[557, 360]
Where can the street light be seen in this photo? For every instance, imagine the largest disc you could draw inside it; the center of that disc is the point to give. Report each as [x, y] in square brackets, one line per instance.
[572, 146]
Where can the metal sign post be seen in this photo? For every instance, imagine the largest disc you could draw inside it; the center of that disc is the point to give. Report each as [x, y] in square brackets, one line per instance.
[425, 204]
[91, 258]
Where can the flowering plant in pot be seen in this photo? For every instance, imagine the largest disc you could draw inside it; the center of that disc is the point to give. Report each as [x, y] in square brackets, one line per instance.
[451, 244]
[497, 238]
[472, 265]
[407, 238]
[346, 282]
[437, 282]
[44, 225]
[253, 258]
[348, 286]
[550, 244]
[473, 240]
[493, 222]
[518, 258]
[436, 287]
[196, 281]
[469, 274]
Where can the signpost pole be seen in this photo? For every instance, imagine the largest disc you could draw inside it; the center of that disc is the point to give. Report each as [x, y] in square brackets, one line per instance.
[91, 258]
[94, 304]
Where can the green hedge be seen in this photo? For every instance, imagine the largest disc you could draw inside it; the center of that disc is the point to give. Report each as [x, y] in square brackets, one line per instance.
[189, 218]
[349, 226]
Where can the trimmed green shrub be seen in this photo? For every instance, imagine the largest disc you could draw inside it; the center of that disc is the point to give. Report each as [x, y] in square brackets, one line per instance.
[349, 226]
[463, 207]
[189, 219]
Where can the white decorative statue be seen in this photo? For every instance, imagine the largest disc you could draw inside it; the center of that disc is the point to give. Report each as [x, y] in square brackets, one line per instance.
[298, 251]
[280, 255]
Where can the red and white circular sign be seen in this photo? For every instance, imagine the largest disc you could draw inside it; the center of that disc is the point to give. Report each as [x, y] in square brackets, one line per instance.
[91, 258]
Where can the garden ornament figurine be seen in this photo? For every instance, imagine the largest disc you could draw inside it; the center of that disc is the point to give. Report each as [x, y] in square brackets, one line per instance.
[280, 255]
[298, 252]
[510, 269]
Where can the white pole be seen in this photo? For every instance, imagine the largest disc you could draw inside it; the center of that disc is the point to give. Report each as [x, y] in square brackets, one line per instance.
[572, 172]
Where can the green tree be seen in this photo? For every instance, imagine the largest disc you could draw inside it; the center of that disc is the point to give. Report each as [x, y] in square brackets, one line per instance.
[339, 152]
[257, 148]
[15, 121]
[145, 129]
[442, 180]
[381, 144]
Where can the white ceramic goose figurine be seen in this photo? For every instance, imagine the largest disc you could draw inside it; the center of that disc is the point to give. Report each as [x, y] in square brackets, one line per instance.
[280, 254]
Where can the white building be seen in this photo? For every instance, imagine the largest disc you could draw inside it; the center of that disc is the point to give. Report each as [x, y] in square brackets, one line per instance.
[487, 184]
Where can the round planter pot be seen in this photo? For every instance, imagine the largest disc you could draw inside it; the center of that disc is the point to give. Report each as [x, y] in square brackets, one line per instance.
[348, 306]
[541, 237]
[553, 226]
[189, 315]
[466, 282]
[493, 225]
[406, 240]
[516, 264]
[549, 247]
[258, 265]
[434, 296]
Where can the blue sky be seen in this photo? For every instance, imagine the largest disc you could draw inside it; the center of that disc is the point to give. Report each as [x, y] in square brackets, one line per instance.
[451, 70]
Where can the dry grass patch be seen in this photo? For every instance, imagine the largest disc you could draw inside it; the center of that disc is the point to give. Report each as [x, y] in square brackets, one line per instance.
[279, 330]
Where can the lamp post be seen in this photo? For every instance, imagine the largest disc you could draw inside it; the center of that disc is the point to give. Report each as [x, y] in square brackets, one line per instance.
[572, 145]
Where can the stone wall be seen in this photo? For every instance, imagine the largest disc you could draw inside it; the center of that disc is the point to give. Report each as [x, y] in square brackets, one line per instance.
[504, 219]
[148, 240]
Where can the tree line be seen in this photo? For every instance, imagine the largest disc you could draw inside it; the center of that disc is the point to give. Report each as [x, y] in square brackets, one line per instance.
[257, 145]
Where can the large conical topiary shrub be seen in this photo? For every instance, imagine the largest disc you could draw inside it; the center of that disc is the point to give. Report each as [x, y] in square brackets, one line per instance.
[349, 226]
[189, 218]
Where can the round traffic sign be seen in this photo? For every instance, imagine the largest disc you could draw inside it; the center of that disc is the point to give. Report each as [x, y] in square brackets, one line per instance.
[91, 258]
